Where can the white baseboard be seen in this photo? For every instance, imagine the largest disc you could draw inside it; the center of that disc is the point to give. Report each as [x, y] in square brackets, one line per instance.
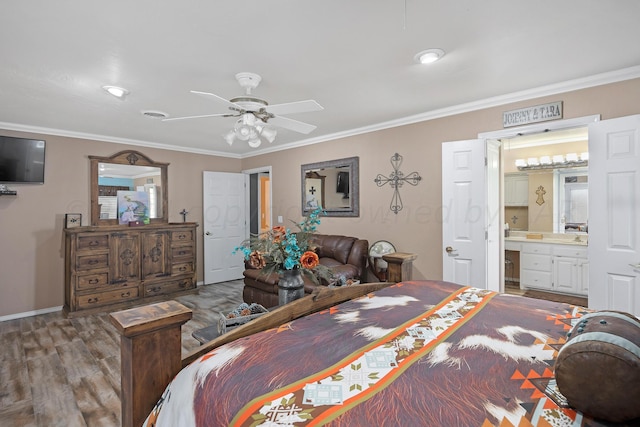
[30, 313]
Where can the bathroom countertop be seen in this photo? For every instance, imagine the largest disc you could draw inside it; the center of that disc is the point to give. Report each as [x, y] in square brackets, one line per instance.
[550, 238]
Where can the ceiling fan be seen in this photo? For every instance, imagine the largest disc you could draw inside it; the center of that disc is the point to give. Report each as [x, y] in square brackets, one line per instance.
[256, 117]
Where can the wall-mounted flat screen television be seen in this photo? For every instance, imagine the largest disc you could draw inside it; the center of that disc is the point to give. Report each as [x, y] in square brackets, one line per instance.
[21, 160]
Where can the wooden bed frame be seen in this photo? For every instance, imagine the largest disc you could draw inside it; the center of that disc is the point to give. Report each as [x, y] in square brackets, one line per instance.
[151, 348]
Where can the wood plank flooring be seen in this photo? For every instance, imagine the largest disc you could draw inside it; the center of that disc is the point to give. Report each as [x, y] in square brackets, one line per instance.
[514, 289]
[66, 372]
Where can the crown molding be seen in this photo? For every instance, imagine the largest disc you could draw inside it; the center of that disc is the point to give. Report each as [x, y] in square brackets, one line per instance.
[553, 89]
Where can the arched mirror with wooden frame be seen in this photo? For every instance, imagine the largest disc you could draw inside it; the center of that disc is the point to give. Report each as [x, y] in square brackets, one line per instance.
[127, 171]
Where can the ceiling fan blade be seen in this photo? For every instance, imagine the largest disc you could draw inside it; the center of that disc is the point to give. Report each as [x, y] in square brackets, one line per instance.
[291, 124]
[217, 98]
[198, 117]
[294, 107]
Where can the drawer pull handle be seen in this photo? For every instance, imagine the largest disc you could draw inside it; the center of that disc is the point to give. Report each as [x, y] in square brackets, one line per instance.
[183, 268]
[125, 294]
[94, 281]
[94, 243]
[182, 236]
[182, 252]
[92, 300]
[93, 262]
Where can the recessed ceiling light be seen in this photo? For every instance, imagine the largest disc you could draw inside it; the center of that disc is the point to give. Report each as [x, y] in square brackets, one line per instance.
[155, 114]
[428, 56]
[116, 91]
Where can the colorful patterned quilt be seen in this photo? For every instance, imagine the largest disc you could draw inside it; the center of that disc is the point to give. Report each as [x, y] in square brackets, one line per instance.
[419, 353]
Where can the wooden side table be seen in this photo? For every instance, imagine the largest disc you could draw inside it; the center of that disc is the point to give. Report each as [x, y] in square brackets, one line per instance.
[150, 355]
[400, 266]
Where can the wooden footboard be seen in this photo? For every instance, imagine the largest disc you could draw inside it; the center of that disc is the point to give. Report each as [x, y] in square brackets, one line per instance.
[151, 339]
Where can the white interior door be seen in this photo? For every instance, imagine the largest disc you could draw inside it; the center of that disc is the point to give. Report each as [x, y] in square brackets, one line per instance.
[464, 219]
[224, 225]
[614, 214]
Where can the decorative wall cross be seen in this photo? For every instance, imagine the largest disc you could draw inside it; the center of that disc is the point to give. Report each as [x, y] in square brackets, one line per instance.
[540, 192]
[396, 180]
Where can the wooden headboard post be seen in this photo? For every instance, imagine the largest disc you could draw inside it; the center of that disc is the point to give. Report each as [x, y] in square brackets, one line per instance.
[150, 355]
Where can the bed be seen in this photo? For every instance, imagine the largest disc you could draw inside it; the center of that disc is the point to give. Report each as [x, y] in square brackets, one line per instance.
[417, 353]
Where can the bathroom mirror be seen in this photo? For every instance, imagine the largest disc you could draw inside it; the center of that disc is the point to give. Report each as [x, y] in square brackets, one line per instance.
[334, 185]
[127, 171]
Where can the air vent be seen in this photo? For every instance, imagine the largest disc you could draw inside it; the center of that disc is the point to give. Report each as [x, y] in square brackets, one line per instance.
[155, 114]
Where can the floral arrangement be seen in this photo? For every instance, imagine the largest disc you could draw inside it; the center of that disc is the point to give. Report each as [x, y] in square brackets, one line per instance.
[281, 249]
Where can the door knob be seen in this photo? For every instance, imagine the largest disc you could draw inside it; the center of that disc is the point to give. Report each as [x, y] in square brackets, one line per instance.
[449, 249]
[208, 233]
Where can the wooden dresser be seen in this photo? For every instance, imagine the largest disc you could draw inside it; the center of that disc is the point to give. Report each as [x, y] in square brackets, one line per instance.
[106, 267]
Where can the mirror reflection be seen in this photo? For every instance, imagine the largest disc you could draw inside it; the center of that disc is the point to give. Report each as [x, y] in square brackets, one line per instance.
[113, 178]
[130, 184]
[332, 185]
[546, 182]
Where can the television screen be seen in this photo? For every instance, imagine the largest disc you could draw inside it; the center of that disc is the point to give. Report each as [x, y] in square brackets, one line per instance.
[21, 160]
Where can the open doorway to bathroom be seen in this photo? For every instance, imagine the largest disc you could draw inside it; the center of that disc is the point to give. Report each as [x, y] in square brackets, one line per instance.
[545, 194]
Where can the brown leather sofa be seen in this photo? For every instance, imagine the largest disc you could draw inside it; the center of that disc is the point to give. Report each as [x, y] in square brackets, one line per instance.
[345, 256]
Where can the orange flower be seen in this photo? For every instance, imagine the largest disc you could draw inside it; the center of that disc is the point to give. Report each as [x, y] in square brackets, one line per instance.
[256, 260]
[309, 260]
[278, 233]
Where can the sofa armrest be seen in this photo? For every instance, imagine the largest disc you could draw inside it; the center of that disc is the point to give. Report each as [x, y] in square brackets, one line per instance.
[359, 256]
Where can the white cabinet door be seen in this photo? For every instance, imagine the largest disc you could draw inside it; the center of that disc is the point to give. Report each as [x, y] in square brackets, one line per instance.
[565, 274]
[516, 190]
[584, 277]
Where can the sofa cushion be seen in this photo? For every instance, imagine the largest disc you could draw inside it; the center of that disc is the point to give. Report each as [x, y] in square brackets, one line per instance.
[336, 247]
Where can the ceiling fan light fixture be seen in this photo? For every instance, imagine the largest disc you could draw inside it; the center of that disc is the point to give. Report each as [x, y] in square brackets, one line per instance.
[230, 137]
[269, 134]
[254, 142]
[429, 56]
[116, 91]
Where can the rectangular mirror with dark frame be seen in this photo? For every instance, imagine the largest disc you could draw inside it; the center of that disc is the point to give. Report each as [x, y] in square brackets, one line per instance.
[127, 171]
[334, 185]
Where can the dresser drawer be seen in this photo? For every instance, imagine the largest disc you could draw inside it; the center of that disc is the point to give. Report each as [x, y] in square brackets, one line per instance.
[99, 299]
[182, 251]
[570, 251]
[536, 279]
[168, 287]
[181, 268]
[92, 281]
[92, 261]
[536, 248]
[535, 262]
[182, 236]
[93, 242]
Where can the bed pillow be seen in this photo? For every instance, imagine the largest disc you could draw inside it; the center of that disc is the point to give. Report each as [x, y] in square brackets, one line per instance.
[598, 368]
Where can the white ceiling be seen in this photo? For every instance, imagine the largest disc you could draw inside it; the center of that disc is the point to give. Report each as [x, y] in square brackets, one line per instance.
[353, 57]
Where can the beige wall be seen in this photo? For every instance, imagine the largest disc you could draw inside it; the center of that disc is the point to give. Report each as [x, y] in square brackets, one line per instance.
[31, 224]
[541, 201]
[417, 228]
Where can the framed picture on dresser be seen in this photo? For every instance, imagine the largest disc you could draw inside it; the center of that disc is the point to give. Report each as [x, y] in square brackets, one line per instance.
[72, 220]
